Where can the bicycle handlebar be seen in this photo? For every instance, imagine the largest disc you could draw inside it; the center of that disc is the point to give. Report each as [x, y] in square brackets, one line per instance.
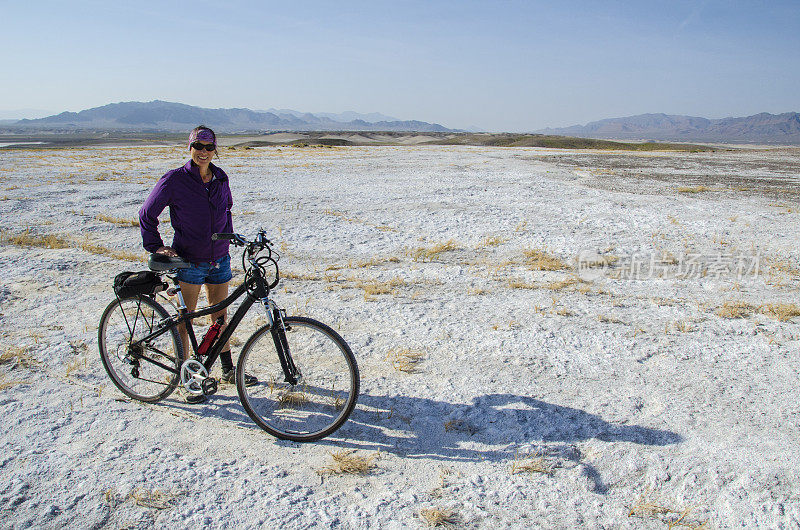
[236, 239]
[239, 240]
[253, 248]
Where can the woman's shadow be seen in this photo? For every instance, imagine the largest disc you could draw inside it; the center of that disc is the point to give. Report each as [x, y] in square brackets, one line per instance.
[417, 427]
[492, 428]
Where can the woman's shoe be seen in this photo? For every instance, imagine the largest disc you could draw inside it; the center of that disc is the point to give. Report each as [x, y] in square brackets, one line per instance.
[230, 377]
[195, 398]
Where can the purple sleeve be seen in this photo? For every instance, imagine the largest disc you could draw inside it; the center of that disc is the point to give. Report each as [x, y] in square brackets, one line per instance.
[148, 215]
[230, 206]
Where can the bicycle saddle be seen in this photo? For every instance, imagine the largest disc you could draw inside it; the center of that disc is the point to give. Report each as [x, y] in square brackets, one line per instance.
[160, 263]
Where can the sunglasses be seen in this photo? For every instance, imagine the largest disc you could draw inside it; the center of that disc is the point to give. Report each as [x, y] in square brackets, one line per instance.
[207, 147]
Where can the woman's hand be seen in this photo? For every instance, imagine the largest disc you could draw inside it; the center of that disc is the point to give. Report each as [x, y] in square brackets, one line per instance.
[167, 251]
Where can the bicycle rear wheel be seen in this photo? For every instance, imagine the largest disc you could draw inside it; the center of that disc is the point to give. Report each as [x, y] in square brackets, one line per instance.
[325, 393]
[147, 371]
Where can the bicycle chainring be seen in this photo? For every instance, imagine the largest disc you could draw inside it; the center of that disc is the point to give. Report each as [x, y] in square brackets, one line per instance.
[193, 373]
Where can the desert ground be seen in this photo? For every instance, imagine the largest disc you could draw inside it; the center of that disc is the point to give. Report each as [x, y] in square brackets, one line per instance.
[547, 338]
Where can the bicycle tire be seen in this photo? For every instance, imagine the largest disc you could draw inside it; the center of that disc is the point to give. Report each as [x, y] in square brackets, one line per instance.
[317, 406]
[136, 378]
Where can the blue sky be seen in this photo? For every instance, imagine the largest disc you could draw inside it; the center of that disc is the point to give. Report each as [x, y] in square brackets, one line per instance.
[496, 65]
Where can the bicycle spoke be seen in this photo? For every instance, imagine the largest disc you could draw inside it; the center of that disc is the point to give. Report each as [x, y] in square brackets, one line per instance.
[324, 396]
[144, 370]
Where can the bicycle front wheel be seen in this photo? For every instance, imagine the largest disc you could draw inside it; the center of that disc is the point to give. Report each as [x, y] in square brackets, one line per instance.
[146, 370]
[325, 390]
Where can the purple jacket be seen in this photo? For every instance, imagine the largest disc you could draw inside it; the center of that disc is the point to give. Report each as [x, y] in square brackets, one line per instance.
[196, 210]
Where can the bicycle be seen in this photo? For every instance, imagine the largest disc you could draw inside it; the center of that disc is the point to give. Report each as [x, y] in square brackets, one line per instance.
[308, 376]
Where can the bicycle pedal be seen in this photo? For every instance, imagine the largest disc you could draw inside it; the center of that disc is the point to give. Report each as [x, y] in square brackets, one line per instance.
[209, 386]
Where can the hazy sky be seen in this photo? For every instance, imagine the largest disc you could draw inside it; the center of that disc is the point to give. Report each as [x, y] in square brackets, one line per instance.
[496, 65]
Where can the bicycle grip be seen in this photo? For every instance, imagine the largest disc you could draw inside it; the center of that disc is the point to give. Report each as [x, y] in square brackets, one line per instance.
[223, 235]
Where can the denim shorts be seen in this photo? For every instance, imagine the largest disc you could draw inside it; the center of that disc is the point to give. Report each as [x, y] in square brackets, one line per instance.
[207, 272]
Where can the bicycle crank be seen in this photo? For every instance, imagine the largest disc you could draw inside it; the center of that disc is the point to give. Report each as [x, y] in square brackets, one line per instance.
[193, 374]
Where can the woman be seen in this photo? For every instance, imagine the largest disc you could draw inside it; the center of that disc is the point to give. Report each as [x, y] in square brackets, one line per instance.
[200, 201]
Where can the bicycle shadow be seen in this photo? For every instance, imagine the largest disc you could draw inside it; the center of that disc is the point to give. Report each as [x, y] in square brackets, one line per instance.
[491, 428]
[422, 427]
[223, 405]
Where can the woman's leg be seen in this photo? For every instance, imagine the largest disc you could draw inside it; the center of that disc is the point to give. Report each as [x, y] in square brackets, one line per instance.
[217, 292]
[191, 293]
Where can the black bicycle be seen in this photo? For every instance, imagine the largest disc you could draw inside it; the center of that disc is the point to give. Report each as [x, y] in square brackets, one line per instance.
[308, 377]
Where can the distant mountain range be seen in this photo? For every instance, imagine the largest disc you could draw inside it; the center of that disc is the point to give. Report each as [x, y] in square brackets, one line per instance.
[164, 116]
[759, 128]
[174, 117]
[372, 117]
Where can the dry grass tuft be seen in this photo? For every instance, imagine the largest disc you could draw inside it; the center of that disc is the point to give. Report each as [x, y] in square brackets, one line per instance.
[362, 264]
[52, 241]
[430, 253]
[609, 319]
[374, 287]
[693, 189]
[346, 462]
[460, 426]
[516, 283]
[73, 365]
[117, 220]
[158, 500]
[439, 517]
[8, 384]
[405, 359]
[512, 324]
[112, 498]
[646, 508]
[735, 310]
[531, 464]
[776, 265]
[27, 239]
[566, 282]
[100, 250]
[289, 275]
[668, 258]
[491, 241]
[374, 262]
[782, 312]
[292, 399]
[18, 356]
[540, 260]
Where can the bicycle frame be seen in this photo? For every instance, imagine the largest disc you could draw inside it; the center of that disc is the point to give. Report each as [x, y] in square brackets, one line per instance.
[253, 287]
[185, 317]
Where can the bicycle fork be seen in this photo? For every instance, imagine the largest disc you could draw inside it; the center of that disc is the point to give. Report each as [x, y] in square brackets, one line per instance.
[278, 328]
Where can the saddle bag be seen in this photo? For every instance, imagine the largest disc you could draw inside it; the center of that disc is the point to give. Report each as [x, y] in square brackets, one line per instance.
[129, 284]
